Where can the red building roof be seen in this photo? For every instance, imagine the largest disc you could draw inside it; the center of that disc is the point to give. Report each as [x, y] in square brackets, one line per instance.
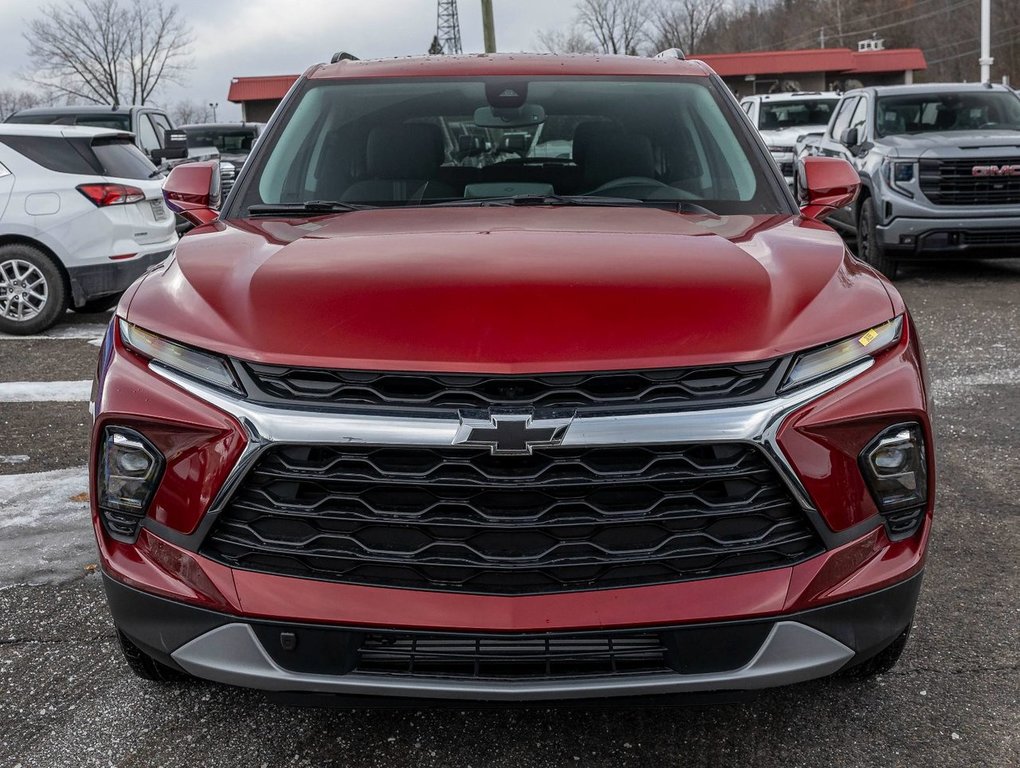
[893, 60]
[274, 87]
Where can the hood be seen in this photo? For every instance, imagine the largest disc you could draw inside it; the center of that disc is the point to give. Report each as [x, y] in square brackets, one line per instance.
[953, 143]
[787, 137]
[511, 290]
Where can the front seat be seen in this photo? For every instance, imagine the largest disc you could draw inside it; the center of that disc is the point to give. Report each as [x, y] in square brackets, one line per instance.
[616, 161]
[402, 162]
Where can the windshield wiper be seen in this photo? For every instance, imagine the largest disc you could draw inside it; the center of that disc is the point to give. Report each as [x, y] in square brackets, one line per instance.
[310, 208]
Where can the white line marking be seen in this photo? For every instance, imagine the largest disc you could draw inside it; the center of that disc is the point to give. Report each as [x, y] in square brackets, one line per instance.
[89, 331]
[16, 459]
[45, 391]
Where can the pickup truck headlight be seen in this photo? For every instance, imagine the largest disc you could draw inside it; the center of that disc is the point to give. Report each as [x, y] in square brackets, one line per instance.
[204, 366]
[827, 360]
[899, 173]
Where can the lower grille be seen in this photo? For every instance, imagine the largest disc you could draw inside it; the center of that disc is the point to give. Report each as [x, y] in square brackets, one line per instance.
[494, 657]
[462, 519]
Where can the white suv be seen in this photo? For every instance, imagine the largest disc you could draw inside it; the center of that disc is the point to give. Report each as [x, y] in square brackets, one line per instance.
[783, 119]
[81, 216]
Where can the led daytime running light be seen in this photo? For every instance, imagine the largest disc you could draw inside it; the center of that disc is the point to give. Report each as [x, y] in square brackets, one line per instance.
[191, 362]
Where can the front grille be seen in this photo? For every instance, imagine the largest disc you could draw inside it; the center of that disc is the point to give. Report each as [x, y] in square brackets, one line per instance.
[494, 657]
[992, 237]
[463, 519]
[747, 382]
[952, 182]
[228, 175]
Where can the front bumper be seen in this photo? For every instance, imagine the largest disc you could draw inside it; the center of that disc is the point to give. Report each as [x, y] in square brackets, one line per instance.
[97, 280]
[289, 657]
[952, 236]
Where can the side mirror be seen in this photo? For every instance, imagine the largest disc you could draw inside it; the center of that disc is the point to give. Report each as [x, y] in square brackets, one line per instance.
[850, 138]
[193, 191]
[175, 145]
[826, 184]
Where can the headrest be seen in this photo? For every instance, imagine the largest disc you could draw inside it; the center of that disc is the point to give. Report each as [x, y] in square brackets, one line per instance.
[408, 151]
[615, 154]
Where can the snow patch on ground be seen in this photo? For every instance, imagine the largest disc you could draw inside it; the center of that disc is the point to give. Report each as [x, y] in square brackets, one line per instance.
[45, 391]
[92, 332]
[45, 528]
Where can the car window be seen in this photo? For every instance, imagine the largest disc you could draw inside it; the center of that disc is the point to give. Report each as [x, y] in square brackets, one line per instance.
[147, 134]
[162, 125]
[790, 114]
[54, 153]
[842, 119]
[926, 112]
[114, 121]
[120, 158]
[229, 141]
[860, 117]
[426, 141]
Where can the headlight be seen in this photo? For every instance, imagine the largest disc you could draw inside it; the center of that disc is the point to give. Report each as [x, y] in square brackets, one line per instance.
[834, 357]
[898, 173]
[128, 472]
[203, 366]
[895, 467]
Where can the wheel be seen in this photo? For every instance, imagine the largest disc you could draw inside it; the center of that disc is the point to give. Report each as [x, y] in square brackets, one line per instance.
[146, 667]
[869, 249]
[33, 294]
[101, 304]
[882, 662]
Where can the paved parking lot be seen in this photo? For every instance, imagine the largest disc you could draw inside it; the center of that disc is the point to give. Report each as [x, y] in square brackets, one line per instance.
[66, 698]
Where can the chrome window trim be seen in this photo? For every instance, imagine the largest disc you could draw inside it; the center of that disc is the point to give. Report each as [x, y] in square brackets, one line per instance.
[756, 423]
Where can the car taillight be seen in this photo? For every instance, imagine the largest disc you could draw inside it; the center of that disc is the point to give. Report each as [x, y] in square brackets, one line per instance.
[103, 195]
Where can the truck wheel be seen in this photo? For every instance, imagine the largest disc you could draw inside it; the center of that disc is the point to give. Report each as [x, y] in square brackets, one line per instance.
[869, 249]
[101, 304]
[33, 295]
[881, 663]
[146, 667]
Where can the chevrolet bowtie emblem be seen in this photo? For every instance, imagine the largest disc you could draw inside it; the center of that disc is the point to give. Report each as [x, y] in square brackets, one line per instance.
[511, 434]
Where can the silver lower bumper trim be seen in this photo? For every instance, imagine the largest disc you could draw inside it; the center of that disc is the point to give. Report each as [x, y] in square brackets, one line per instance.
[792, 653]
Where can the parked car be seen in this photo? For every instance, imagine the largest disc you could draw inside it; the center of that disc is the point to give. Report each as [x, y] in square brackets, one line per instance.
[940, 168]
[233, 142]
[152, 128]
[81, 217]
[620, 423]
[783, 119]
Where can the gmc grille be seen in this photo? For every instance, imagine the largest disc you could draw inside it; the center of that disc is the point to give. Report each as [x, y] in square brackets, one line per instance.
[462, 519]
[952, 182]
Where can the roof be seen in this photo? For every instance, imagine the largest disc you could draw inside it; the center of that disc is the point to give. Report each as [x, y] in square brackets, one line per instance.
[792, 96]
[892, 60]
[83, 109]
[220, 126]
[815, 60]
[69, 131]
[510, 65]
[922, 88]
[272, 87]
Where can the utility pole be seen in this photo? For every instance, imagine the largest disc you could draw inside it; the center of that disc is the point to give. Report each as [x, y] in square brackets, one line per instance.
[986, 59]
[489, 26]
[821, 37]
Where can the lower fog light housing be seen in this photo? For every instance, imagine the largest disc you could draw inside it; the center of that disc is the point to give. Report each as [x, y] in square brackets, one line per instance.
[128, 473]
[895, 467]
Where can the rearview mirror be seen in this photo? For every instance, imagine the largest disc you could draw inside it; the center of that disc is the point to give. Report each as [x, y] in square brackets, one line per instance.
[514, 117]
[193, 191]
[826, 184]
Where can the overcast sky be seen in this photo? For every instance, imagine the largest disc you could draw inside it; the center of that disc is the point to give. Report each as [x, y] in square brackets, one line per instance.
[278, 37]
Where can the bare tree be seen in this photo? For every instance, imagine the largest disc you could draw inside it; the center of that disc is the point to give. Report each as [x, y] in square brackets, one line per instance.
[12, 100]
[617, 26]
[571, 41]
[103, 50]
[683, 23]
[190, 112]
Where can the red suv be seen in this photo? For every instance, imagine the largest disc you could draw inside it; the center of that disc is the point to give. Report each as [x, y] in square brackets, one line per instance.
[511, 378]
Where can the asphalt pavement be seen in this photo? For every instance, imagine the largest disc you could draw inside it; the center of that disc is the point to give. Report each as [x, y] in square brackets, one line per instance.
[67, 698]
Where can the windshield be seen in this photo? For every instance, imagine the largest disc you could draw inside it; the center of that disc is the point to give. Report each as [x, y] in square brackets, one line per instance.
[775, 116]
[929, 112]
[229, 141]
[421, 142]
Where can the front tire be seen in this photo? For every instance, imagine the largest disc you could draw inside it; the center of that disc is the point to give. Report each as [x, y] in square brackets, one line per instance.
[33, 293]
[869, 248]
[146, 667]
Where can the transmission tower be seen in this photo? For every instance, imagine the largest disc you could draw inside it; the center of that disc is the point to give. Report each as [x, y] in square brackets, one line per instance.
[448, 27]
